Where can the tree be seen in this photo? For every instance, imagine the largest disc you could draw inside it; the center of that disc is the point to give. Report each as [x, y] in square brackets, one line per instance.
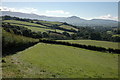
[45, 35]
[66, 34]
[95, 36]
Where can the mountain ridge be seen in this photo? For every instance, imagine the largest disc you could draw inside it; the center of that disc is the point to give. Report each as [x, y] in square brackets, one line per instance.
[74, 20]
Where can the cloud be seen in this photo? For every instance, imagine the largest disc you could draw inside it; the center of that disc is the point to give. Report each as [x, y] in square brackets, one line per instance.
[6, 9]
[108, 16]
[57, 12]
[23, 10]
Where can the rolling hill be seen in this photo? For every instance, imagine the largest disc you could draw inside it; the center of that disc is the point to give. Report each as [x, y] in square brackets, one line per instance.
[46, 60]
[59, 61]
[45, 26]
[74, 20]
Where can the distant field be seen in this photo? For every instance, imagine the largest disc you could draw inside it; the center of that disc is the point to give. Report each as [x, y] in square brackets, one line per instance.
[23, 22]
[34, 27]
[42, 29]
[50, 22]
[59, 61]
[105, 44]
[68, 27]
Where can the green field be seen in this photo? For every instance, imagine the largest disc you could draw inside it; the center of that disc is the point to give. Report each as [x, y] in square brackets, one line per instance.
[35, 27]
[105, 44]
[59, 61]
[50, 23]
[68, 27]
[23, 22]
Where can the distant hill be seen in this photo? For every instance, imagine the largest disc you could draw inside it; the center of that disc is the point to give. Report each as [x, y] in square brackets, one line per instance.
[74, 20]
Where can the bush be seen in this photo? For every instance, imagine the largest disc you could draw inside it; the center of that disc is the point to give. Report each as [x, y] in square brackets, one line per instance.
[14, 42]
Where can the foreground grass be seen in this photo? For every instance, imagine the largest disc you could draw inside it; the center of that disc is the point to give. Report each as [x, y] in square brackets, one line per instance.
[105, 44]
[52, 61]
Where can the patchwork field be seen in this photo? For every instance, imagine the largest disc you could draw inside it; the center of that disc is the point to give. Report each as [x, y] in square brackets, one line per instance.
[37, 27]
[106, 44]
[59, 61]
[68, 27]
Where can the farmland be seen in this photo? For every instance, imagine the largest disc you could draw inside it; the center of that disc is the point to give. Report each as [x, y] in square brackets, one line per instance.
[27, 55]
[25, 23]
[48, 60]
[37, 27]
[105, 44]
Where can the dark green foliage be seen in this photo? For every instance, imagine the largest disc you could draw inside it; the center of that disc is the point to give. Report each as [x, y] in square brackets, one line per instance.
[95, 36]
[12, 43]
[93, 33]
[16, 18]
[21, 31]
[90, 47]
[66, 34]
[116, 38]
[45, 35]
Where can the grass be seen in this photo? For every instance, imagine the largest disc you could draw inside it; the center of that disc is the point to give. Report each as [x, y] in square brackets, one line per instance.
[105, 44]
[13, 43]
[12, 38]
[59, 61]
[24, 23]
[36, 29]
[68, 27]
[50, 22]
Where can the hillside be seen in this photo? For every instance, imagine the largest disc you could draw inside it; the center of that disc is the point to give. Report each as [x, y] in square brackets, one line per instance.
[105, 44]
[74, 20]
[44, 49]
[43, 27]
[59, 61]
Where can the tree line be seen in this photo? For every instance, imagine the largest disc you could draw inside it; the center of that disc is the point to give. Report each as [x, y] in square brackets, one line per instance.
[89, 47]
[92, 33]
[11, 43]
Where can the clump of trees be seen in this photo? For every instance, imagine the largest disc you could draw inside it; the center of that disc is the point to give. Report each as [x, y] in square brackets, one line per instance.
[56, 26]
[21, 31]
[90, 47]
[6, 17]
[94, 33]
[12, 43]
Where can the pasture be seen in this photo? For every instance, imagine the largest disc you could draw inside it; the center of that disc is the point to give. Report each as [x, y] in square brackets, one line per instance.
[106, 44]
[59, 61]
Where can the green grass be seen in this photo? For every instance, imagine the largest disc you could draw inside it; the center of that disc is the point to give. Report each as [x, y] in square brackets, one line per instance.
[50, 22]
[105, 44]
[117, 35]
[32, 26]
[24, 23]
[36, 29]
[49, 60]
[12, 38]
[68, 27]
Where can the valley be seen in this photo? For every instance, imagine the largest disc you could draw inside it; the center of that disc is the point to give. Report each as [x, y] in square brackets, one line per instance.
[44, 49]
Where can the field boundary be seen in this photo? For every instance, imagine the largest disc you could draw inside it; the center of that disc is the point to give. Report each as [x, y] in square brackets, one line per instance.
[89, 47]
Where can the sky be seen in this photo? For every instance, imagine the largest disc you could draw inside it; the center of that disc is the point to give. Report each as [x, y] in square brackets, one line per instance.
[85, 10]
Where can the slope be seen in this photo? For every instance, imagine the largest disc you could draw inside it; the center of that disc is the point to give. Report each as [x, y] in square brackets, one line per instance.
[59, 61]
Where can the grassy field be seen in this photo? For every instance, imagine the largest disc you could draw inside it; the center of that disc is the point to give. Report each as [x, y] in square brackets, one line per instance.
[35, 27]
[50, 22]
[23, 22]
[12, 38]
[59, 61]
[105, 44]
[68, 27]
